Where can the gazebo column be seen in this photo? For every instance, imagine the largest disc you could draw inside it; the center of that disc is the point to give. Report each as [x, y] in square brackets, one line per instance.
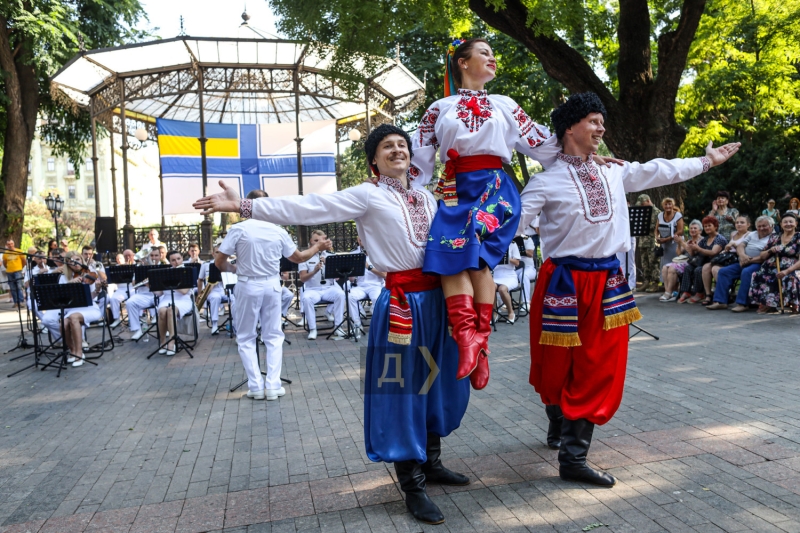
[113, 178]
[94, 170]
[128, 232]
[206, 227]
[302, 231]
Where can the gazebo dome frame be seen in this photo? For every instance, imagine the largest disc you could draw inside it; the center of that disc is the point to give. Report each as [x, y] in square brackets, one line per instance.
[225, 80]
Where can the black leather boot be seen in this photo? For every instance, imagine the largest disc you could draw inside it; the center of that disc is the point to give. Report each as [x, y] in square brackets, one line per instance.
[554, 429]
[576, 436]
[412, 482]
[434, 470]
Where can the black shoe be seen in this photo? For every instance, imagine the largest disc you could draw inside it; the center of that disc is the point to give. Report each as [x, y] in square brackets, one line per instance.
[412, 482]
[576, 437]
[554, 429]
[434, 470]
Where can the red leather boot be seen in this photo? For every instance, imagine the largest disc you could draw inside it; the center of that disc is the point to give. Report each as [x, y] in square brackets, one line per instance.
[480, 376]
[461, 314]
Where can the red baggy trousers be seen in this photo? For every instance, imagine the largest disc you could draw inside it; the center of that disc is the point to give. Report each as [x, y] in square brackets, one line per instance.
[585, 381]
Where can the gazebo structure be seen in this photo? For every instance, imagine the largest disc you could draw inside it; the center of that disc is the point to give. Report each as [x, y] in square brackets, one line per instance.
[247, 79]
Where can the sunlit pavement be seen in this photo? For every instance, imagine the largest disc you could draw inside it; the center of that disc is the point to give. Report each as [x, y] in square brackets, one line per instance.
[707, 439]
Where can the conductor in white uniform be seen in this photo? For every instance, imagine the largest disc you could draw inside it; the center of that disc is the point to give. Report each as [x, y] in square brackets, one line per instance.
[258, 247]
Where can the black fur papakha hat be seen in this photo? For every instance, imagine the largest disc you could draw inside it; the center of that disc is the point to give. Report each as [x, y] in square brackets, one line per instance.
[574, 110]
[375, 138]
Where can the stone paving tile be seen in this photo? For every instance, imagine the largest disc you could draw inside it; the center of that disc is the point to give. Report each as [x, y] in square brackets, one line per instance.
[705, 440]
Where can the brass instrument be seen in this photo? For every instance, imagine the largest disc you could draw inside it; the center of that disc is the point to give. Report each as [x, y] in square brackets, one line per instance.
[142, 283]
[203, 296]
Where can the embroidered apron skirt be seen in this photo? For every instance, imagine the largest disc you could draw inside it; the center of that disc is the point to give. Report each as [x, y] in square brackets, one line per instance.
[411, 390]
[489, 205]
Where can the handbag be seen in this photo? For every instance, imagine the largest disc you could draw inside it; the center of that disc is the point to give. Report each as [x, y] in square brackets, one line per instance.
[696, 261]
[658, 251]
[725, 259]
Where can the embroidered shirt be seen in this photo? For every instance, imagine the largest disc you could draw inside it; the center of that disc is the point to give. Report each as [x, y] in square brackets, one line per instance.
[477, 123]
[393, 221]
[583, 206]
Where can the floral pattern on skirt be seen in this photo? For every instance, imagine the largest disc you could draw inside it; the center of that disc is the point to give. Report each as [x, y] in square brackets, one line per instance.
[764, 288]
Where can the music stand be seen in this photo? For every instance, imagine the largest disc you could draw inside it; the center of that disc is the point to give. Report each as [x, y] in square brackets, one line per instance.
[62, 296]
[142, 274]
[345, 266]
[16, 288]
[229, 280]
[258, 358]
[639, 216]
[292, 268]
[121, 274]
[172, 279]
[38, 279]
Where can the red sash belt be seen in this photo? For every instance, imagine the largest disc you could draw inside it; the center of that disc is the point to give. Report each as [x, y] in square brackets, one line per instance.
[455, 164]
[398, 284]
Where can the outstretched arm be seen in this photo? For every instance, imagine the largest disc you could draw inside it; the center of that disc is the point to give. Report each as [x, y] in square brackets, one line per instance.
[658, 172]
[312, 209]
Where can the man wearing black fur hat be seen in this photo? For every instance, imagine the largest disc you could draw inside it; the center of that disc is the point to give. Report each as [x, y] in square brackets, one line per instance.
[579, 347]
[411, 396]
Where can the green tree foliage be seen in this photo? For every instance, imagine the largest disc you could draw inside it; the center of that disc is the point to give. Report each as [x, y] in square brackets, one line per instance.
[745, 86]
[36, 38]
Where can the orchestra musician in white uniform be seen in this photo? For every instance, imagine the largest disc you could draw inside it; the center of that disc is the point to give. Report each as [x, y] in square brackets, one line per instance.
[528, 274]
[121, 293]
[217, 295]
[369, 286]
[143, 299]
[183, 306]
[258, 247]
[316, 289]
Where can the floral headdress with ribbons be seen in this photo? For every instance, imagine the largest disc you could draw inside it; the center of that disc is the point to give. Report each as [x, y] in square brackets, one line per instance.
[449, 81]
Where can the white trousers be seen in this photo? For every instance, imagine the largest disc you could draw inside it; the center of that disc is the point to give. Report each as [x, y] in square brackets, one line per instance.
[259, 301]
[286, 300]
[311, 297]
[215, 298]
[136, 304]
[115, 302]
[359, 293]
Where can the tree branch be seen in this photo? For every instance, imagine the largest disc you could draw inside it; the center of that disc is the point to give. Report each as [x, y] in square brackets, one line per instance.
[634, 68]
[673, 49]
[558, 59]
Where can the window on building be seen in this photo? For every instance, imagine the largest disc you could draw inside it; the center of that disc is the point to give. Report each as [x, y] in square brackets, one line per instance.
[90, 192]
[30, 165]
[29, 193]
[70, 168]
[71, 191]
[89, 165]
[51, 164]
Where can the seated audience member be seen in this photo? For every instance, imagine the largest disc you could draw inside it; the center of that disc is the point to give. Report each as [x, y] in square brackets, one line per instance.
[316, 289]
[692, 288]
[785, 247]
[505, 278]
[673, 272]
[749, 251]
[528, 274]
[742, 225]
[183, 306]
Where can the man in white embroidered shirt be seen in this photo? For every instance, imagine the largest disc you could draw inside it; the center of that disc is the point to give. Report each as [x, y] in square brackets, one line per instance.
[579, 348]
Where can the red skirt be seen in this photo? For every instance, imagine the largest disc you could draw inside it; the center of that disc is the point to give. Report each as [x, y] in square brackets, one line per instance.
[587, 380]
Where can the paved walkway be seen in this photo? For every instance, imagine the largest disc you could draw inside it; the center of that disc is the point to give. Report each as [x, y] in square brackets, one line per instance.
[707, 439]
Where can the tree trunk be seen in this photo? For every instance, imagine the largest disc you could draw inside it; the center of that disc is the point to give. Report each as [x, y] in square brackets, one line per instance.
[22, 92]
[641, 124]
